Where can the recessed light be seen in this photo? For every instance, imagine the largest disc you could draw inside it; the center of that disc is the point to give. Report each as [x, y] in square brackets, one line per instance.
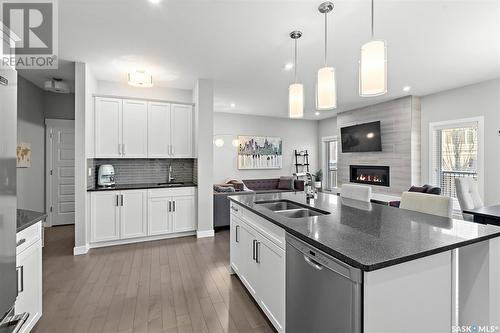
[155, 2]
[232, 105]
[219, 142]
[288, 66]
[317, 113]
[406, 88]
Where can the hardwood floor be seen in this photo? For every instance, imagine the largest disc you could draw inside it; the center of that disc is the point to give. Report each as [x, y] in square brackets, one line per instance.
[176, 285]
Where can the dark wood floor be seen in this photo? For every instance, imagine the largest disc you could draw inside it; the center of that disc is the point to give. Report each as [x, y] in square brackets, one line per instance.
[177, 285]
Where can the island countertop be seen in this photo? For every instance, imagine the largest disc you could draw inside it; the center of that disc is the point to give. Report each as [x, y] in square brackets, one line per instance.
[370, 236]
[26, 218]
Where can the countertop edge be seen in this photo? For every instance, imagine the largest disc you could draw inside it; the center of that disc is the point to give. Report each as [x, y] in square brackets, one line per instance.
[33, 220]
[129, 187]
[361, 266]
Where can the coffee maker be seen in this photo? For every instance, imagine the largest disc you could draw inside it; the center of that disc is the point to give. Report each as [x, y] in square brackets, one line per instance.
[106, 175]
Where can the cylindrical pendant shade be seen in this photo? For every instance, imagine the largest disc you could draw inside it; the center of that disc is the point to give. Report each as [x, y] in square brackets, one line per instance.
[373, 69]
[326, 89]
[296, 100]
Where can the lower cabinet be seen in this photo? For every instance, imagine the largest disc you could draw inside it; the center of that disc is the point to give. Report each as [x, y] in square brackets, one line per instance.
[118, 215]
[132, 214]
[171, 210]
[29, 271]
[260, 265]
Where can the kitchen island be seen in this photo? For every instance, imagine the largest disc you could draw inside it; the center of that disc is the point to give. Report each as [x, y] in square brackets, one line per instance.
[408, 270]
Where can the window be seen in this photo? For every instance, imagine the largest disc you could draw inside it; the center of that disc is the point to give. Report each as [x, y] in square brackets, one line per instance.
[330, 163]
[455, 153]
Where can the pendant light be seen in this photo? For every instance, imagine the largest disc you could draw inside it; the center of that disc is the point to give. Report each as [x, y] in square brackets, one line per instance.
[295, 90]
[373, 66]
[326, 88]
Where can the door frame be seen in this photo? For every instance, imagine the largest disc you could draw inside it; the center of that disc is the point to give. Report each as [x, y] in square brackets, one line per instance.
[325, 158]
[49, 124]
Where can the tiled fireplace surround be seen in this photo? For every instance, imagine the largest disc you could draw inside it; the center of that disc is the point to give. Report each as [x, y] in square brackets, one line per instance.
[400, 130]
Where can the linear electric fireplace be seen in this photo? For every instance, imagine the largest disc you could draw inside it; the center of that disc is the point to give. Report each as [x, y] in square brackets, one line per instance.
[369, 174]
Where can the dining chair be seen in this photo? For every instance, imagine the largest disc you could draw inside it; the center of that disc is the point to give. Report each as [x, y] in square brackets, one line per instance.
[356, 192]
[427, 203]
[468, 195]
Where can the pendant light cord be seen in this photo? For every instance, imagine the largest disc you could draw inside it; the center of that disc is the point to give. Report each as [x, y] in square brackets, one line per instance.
[372, 21]
[295, 67]
[326, 37]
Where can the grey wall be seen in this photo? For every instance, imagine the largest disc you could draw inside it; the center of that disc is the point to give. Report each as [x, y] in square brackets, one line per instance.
[482, 99]
[296, 134]
[400, 126]
[31, 129]
[143, 170]
[34, 106]
[59, 106]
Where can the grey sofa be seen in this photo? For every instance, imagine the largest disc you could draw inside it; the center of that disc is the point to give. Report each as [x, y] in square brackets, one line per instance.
[221, 201]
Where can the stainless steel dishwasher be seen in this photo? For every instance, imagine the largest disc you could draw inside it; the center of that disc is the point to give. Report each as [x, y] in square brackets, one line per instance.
[323, 294]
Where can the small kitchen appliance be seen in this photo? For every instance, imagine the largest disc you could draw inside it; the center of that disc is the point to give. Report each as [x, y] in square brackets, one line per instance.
[106, 175]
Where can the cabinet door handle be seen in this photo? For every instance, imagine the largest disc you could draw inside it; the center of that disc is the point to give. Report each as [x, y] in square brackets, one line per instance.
[119, 149]
[21, 241]
[117, 200]
[236, 236]
[257, 252]
[174, 205]
[253, 249]
[123, 149]
[121, 197]
[170, 206]
[234, 208]
[20, 270]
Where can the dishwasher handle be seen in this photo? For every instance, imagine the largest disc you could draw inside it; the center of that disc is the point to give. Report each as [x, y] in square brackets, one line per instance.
[313, 263]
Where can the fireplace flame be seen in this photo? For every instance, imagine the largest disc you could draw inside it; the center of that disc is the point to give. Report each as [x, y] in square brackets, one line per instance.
[369, 178]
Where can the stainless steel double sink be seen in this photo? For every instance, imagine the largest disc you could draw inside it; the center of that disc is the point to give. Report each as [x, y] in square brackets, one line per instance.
[290, 209]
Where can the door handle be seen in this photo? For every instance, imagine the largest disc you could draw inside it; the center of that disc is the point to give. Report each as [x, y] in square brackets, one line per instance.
[253, 249]
[121, 196]
[314, 264]
[257, 252]
[20, 270]
[170, 206]
[123, 149]
[117, 200]
[174, 205]
[234, 208]
[236, 236]
[119, 149]
[21, 241]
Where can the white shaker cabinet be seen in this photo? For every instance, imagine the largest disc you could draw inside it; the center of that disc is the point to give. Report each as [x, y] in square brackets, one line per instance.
[117, 215]
[133, 213]
[182, 130]
[159, 133]
[120, 128]
[183, 213]
[135, 129]
[29, 268]
[108, 127]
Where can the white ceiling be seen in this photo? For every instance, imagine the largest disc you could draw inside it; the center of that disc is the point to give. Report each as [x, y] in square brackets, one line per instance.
[243, 44]
[65, 71]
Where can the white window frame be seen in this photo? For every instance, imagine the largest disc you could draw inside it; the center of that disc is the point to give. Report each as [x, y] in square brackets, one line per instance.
[324, 162]
[440, 125]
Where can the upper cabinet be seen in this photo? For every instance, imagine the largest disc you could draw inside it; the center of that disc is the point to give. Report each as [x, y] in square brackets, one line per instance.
[139, 129]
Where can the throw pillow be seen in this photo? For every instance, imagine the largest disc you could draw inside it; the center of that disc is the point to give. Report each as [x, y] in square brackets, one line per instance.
[419, 189]
[286, 183]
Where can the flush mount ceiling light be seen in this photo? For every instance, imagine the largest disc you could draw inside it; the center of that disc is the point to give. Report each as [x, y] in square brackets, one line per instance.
[295, 90]
[373, 65]
[140, 78]
[326, 89]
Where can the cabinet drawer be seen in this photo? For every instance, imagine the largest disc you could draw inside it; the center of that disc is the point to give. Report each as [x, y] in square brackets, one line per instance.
[28, 236]
[171, 192]
[268, 229]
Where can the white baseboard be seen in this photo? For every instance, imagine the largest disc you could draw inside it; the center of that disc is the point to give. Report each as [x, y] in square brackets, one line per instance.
[205, 233]
[79, 250]
[141, 239]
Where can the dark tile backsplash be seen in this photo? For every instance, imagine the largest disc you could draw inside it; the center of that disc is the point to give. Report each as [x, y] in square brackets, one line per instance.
[135, 171]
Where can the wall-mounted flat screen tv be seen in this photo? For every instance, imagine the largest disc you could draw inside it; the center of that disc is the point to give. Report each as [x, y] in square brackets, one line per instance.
[361, 138]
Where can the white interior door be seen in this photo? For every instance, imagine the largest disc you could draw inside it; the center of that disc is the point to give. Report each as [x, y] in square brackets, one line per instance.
[61, 171]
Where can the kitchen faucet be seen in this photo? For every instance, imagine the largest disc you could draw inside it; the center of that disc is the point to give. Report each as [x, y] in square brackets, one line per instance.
[170, 177]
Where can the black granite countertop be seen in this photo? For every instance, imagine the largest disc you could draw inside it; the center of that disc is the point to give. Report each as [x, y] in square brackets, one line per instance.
[119, 187]
[26, 218]
[370, 236]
